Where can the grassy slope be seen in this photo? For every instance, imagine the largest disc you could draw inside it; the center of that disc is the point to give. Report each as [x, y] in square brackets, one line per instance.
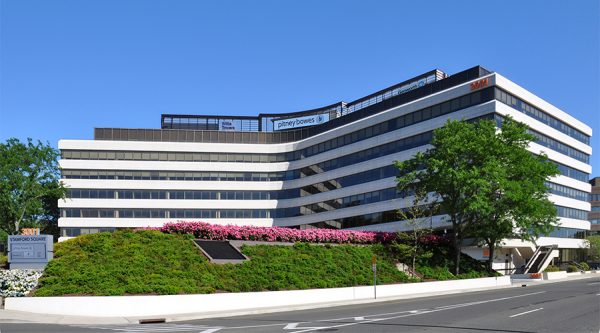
[150, 262]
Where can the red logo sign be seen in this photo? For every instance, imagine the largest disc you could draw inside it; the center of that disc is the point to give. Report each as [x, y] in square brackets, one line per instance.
[479, 84]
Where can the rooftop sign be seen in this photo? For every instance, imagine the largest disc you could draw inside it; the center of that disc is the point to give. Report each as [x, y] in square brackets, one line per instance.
[227, 125]
[284, 124]
[479, 84]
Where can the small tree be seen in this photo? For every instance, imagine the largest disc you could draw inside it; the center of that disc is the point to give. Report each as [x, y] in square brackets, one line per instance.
[593, 243]
[416, 217]
[28, 173]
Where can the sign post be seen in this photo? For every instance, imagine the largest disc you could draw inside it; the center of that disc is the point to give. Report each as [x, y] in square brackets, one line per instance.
[374, 263]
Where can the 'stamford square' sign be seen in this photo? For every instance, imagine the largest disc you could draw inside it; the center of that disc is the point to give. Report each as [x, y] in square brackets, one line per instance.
[29, 252]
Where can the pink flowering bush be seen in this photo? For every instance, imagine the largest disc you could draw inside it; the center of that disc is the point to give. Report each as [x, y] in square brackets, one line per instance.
[205, 230]
[434, 240]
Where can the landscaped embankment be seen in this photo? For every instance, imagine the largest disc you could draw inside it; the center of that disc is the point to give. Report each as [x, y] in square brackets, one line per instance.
[152, 262]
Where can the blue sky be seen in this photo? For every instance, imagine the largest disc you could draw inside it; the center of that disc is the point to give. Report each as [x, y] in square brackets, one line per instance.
[69, 66]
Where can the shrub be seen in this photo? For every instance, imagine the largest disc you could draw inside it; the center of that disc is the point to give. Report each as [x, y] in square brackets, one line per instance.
[438, 263]
[151, 262]
[572, 268]
[18, 282]
[205, 230]
[435, 273]
[584, 266]
[3, 260]
[552, 268]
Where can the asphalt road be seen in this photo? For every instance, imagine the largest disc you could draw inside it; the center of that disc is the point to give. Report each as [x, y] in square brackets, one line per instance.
[572, 306]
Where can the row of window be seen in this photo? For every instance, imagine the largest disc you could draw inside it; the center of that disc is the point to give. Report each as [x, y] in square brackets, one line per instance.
[177, 175]
[567, 191]
[533, 112]
[350, 201]
[171, 194]
[357, 221]
[354, 200]
[170, 213]
[567, 233]
[74, 232]
[203, 176]
[326, 186]
[350, 180]
[595, 221]
[560, 147]
[571, 213]
[334, 184]
[595, 208]
[172, 156]
[572, 173]
[370, 175]
[595, 197]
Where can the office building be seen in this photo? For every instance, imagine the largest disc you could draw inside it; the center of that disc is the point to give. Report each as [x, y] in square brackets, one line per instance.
[329, 167]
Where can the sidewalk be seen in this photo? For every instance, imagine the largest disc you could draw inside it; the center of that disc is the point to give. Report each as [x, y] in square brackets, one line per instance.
[12, 316]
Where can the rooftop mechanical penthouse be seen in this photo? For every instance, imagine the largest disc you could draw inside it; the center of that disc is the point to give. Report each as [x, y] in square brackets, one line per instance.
[329, 167]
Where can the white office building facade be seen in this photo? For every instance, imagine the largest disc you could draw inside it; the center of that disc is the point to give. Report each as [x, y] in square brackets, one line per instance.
[330, 167]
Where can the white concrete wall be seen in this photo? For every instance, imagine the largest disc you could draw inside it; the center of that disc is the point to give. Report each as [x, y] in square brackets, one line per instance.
[554, 275]
[145, 306]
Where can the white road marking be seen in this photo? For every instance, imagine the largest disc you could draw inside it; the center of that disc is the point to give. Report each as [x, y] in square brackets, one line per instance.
[373, 315]
[251, 326]
[526, 312]
[419, 312]
[294, 326]
[359, 318]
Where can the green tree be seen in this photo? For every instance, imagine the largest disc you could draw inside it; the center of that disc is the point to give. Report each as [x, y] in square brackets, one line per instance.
[29, 177]
[593, 243]
[417, 216]
[515, 204]
[487, 182]
[48, 220]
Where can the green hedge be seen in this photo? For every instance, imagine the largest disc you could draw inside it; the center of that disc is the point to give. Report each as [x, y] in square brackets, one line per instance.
[150, 262]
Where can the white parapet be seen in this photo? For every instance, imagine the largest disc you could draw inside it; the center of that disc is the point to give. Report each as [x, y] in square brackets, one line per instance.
[555, 275]
[145, 306]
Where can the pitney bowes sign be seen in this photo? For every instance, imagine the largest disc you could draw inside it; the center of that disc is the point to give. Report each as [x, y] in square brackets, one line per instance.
[284, 124]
